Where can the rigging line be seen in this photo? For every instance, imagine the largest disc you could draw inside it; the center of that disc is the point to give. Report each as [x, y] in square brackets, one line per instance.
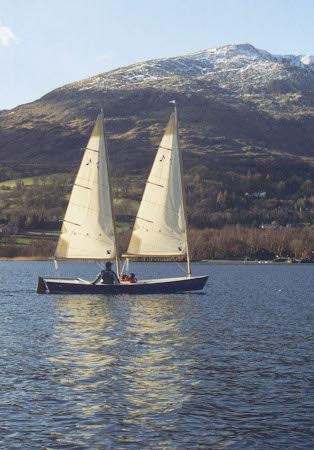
[73, 223]
[122, 270]
[165, 148]
[155, 184]
[126, 265]
[84, 187]
[145, 220]
[180, 267]
[92, 150]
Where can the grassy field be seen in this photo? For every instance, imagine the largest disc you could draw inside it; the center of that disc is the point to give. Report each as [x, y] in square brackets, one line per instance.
[12, 183]
[27, 237]
[29, 181]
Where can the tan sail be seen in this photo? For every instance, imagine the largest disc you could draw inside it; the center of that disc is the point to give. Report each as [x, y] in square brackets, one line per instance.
[160, 228]
[88, 231]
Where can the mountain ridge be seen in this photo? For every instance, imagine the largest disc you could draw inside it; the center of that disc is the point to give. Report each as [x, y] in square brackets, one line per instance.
[236, 102]
[240, 50]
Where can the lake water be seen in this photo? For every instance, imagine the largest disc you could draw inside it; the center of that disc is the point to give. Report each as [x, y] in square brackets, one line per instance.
[232, 367]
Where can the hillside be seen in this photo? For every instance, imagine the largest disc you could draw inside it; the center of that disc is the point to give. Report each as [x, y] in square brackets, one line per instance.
[238, 105]
[246, 130]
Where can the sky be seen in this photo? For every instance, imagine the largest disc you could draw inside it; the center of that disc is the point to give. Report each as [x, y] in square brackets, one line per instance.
[45, 44]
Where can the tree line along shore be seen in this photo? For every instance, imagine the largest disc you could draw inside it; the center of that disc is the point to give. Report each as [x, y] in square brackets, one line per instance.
[232, 242]
[252, 214]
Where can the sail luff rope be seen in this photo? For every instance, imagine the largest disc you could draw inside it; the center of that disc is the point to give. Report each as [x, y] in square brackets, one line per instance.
[112, 210]
[183, 194]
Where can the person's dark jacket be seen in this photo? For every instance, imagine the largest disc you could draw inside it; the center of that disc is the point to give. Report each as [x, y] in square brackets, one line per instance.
[107, 277]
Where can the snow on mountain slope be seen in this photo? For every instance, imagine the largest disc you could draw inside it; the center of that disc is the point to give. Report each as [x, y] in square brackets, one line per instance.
[231, 66]
[307, 60]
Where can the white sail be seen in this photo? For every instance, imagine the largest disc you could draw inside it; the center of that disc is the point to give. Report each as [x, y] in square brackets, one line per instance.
[88, 230]
[160, 228]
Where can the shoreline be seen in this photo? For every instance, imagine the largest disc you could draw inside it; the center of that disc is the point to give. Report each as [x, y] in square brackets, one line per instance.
[204, 261]
[24, 258]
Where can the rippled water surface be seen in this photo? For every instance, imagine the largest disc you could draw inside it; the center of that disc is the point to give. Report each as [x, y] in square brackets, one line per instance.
[228, 368]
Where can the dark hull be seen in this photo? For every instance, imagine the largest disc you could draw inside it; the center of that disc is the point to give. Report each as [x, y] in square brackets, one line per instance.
[171, 286]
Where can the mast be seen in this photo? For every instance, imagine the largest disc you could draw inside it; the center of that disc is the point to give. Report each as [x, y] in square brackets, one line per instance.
[183, 194]
[112, 208]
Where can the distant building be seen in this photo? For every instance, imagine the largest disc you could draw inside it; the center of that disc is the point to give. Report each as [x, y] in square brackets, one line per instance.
[256, 194]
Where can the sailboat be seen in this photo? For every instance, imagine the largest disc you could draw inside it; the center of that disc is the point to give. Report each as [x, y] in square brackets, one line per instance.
[160, 230]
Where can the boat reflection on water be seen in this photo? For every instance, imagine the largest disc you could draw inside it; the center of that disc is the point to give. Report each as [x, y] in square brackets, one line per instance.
[155, 370]
[124, 360]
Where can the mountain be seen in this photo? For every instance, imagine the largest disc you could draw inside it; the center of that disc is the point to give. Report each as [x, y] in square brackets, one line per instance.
[237, 104]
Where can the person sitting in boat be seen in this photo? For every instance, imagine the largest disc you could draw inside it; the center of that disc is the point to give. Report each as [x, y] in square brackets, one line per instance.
[107, 276]
[124, 278]
[132, 278]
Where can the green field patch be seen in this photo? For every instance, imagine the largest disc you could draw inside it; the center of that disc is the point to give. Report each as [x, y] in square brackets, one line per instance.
[22, 241]
[53, 234]
[28, 237]
[29, 181]
[12, 183]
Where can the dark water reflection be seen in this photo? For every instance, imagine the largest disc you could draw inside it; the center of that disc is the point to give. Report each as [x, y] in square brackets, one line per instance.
[230, 368]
